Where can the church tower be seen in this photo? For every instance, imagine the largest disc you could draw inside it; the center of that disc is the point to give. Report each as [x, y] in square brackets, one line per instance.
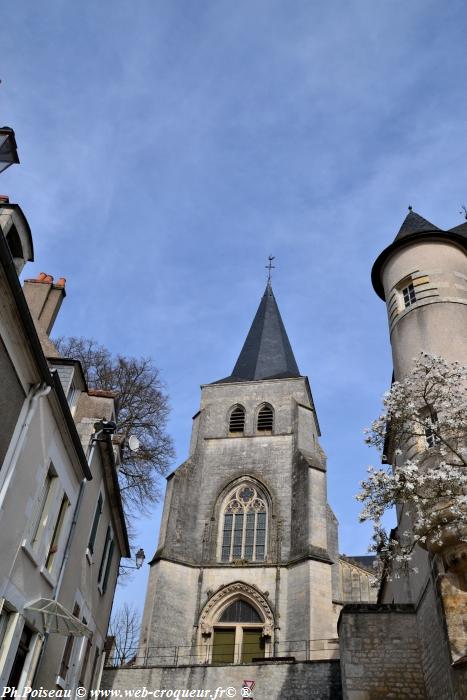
[247, 560]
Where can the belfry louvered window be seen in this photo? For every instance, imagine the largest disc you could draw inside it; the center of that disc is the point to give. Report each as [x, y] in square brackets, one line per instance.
[237, 420]
[244, 526]
[265, 419]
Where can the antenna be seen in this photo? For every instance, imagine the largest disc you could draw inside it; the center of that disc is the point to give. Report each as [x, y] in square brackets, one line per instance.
[464, 211]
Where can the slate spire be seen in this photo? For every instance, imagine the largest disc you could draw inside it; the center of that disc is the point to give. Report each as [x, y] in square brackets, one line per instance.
[414, 223]
[267, 352]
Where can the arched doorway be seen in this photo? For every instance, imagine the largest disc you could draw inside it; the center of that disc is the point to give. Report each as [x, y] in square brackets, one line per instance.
[238, 634]
[236, 625]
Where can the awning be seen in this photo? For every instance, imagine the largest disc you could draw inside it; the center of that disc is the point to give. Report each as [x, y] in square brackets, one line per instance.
[57, 619]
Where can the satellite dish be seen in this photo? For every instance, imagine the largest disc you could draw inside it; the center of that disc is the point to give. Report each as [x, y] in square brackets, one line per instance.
[133, 443]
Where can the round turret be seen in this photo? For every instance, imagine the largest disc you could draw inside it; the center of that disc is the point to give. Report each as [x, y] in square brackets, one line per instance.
[422, 276]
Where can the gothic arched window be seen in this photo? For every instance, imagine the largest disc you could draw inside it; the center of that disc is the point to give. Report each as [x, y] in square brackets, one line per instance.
[237, 420]
[244, 525]
[265, 422]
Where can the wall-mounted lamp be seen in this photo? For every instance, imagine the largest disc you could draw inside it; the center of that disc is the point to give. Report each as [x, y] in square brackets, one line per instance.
[139, 560]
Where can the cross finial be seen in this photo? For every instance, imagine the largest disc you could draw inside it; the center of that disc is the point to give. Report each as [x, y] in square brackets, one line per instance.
[270, 266]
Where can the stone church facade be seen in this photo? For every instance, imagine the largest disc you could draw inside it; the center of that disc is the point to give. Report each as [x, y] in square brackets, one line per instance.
[247, 580]
[247, 564]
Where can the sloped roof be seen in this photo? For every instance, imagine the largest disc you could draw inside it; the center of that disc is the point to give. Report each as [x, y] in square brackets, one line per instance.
[266, 353]
[414, 228]
[414, 223]
[462, 229]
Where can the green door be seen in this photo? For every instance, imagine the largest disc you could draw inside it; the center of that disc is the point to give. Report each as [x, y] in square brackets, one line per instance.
[253, 645]
[223, 645]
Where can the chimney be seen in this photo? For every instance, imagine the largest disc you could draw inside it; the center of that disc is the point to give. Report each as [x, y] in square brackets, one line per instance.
[44, 299]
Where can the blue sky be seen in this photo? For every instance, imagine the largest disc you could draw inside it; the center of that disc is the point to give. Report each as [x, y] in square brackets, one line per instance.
[168, 147]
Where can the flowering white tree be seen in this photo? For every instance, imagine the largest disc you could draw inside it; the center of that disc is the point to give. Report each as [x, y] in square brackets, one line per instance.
[422, 434]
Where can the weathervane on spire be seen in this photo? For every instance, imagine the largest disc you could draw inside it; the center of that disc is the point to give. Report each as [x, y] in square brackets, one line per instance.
[464, 211]
[270, 266]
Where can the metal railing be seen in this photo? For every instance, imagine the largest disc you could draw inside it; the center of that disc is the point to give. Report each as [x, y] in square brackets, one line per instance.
[220, 654]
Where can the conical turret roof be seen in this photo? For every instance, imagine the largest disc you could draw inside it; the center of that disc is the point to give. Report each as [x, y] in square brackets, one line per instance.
[266, 353]
[414, 223]
[414, 228]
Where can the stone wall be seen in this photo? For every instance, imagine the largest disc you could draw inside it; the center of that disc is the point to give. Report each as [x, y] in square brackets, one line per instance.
[443, 681]
[380, 652]
[300, 681]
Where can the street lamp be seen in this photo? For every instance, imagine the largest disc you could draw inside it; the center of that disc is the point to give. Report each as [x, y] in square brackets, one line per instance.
[8, 152]
[139, 560]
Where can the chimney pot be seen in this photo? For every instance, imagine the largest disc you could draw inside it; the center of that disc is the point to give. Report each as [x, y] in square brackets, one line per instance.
[44, 298]
[4, 199]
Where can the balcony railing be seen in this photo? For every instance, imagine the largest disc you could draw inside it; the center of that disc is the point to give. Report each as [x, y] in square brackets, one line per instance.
[221, 654]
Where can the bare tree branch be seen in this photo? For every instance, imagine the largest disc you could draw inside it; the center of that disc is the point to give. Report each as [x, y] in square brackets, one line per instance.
[124, 627]
[143, 410]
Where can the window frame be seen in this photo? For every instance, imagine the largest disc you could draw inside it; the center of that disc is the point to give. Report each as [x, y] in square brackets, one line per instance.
[430, 422]
[408, 294]
[44, 509]
[53, 547]
[240, 520]
[45, 538]
[265, 431]
[106, 560]
[236, 432]
[90, 549]
[67, 654]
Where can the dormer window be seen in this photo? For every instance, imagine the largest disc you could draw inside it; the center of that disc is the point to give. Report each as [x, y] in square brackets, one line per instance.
[409, 296]
[265, 421]
[14, 242]
[237, 420]
[72, 394]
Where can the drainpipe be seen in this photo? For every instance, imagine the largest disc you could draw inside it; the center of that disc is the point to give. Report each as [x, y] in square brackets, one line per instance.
[35, 393]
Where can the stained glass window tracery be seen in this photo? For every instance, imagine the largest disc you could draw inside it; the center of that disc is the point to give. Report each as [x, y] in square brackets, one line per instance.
[244, 526]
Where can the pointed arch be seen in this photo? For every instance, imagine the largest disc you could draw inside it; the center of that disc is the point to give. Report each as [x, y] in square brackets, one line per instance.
[236, 625]
[244, 522]
[227, 594]
[265, 418]
[237, 420]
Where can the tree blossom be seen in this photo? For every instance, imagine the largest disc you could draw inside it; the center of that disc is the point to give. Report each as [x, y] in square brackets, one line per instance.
[422, 435]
